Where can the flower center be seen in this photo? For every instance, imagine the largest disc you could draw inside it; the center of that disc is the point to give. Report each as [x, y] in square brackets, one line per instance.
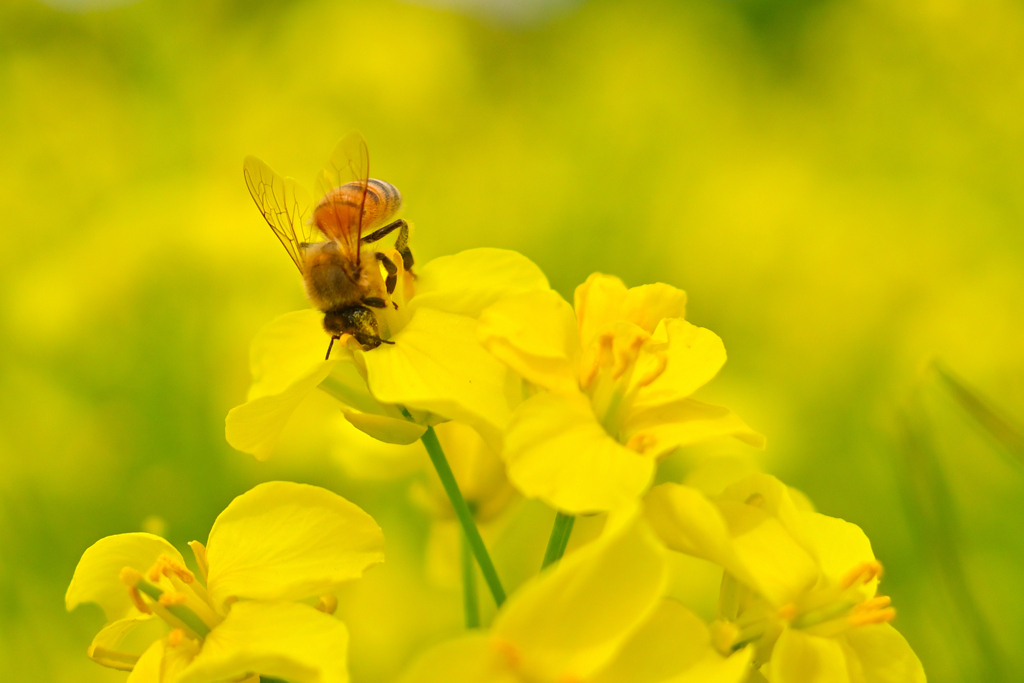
[170, 591]
[616, 365]
[825, 611]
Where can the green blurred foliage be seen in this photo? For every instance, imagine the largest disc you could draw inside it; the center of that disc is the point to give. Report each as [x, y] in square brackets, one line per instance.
[837, 183]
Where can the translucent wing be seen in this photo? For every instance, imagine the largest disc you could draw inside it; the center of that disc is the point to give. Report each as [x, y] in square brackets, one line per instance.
[283, 202]
[341, 188]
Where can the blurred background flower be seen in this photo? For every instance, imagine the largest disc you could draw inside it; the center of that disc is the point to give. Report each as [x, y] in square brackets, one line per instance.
[836, 183]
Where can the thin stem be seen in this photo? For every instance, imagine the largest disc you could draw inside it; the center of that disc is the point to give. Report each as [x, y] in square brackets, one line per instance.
[469, 601]
[559, 539]
[451, 487]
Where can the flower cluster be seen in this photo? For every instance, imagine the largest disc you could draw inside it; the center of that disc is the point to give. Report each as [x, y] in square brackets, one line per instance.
[513, 393]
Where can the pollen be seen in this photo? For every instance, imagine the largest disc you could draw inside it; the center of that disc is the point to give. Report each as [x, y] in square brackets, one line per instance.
[175, 637]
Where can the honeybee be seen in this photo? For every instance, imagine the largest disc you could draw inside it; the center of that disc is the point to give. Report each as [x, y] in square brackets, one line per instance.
[341, 272]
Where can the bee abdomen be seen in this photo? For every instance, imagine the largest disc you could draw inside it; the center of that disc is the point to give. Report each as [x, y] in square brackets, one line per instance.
[383, 200]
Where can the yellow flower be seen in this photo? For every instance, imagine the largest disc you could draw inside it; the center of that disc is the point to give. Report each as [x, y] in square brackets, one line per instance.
[619, 372]
[799, 586]
[276, 545]
[598, 615]
[435, 371]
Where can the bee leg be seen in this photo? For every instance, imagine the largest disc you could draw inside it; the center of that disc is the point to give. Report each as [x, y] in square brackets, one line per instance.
[374, 301]
[329, 347]
[392, 269]
[402, 247]
[380, 233]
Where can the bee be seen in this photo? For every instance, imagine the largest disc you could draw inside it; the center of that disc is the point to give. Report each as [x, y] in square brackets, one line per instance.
[339, 265]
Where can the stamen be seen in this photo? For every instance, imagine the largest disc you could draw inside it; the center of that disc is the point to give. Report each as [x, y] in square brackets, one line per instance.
[199, 550]
[661, 362]
[114, 659]
[165, 566]
[641, 443]
[169, 599]
[131, 577]
[175, 637]
[882, 616]
[788, 612]
[862, 573]
[594, 357]
[625, 356]
[877, 602]
[327, 604]
[140, 604]
[724, 635]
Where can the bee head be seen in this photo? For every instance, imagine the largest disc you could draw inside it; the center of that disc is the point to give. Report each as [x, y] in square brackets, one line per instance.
[357, 320]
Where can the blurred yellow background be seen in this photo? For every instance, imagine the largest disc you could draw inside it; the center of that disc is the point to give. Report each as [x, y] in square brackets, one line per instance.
[838, 184]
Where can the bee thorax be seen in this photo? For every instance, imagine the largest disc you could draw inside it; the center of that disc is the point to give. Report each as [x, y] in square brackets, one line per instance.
[327, 278]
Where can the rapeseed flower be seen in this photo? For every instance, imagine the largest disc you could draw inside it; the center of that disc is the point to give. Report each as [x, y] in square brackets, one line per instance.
[598, 615]
[798, 586]
[271, 554]
[436, 370]
[619, 372]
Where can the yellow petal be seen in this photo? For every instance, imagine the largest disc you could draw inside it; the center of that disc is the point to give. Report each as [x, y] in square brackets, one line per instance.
[713, 668]
[693, 356]
[399, 432]
[556, 450]
[660, 429]
[572, 618]
[883, 655]
[436, 364]
[289, 541]
[839, 546]
[161, 663]
[799, 657]
[603, 299]
[470, 659]
[284, 640]
[254, 427]
[468, 282]
[285, 350]
[672, 640]
[535, 335]
[749, 543]
[383, 422]
[106, 646]
[96, 577]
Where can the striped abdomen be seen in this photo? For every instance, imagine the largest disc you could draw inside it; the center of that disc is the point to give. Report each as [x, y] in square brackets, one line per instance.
[336, 213]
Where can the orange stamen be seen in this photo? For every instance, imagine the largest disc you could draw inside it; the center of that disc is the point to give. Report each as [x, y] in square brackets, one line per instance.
[862, 574]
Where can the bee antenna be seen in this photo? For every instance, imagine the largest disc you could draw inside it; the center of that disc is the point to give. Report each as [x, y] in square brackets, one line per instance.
[329, 347]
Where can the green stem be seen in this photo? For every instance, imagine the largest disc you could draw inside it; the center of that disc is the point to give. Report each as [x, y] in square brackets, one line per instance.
[469, 601]
[559, 539]
[451, 487]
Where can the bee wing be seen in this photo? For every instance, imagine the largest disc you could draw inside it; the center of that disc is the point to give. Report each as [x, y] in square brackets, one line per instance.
[284, 204]
[349, 165]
